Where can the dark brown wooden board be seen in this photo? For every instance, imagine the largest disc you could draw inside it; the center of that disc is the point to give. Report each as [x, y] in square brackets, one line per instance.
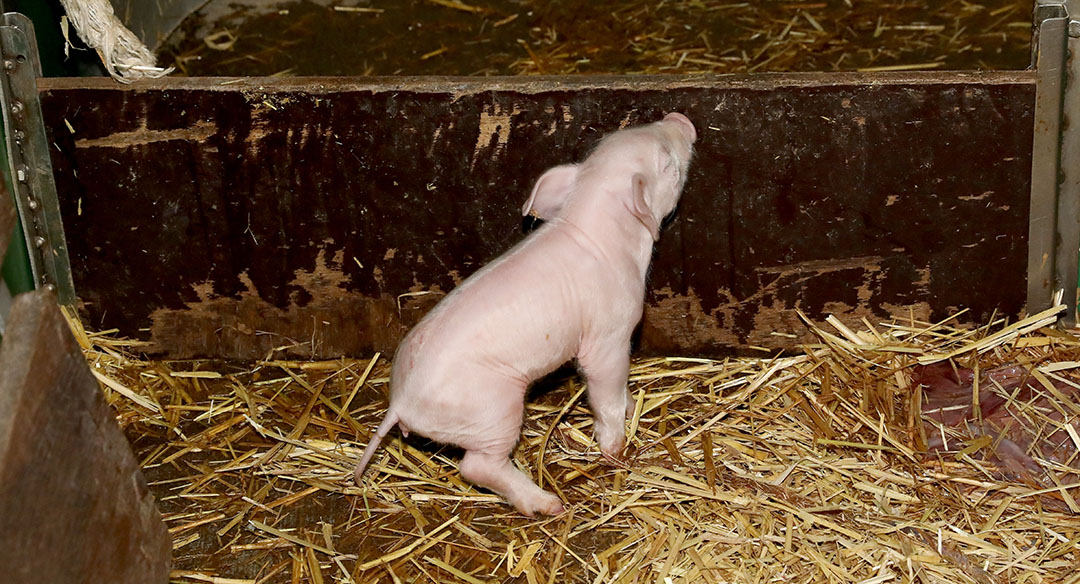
[74, 504]
[231, 217]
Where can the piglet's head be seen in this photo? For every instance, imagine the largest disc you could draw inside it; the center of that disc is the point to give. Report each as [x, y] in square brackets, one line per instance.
[639, 170]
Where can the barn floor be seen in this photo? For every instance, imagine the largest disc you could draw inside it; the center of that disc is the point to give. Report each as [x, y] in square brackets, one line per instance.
[808, 468]
[529, 37]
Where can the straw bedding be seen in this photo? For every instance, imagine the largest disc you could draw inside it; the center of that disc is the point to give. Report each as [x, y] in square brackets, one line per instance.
[531, 37]
[805, 468]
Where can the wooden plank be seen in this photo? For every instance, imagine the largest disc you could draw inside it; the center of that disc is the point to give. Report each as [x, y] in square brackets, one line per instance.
[230, 217]
[75, 506]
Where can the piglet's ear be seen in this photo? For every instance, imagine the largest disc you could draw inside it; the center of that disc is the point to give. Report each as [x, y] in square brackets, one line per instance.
[640, 208]
[551, 191]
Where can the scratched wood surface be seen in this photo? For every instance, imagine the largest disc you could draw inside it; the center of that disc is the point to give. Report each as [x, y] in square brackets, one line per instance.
[321, 217]
[75, 505]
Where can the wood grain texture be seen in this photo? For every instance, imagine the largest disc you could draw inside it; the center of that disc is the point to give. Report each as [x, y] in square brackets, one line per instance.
[75, 506]
[322, 217]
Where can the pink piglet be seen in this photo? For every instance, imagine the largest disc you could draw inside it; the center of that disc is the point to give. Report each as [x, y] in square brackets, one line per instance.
[573, 289]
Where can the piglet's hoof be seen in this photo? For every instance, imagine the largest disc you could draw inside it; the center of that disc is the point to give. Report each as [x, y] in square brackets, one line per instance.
[619, 460]
[546, 504]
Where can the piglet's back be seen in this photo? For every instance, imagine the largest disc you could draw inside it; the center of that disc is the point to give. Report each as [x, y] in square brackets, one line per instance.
[520, 316]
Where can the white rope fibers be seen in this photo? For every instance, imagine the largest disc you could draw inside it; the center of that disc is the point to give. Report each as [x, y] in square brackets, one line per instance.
[125, 57]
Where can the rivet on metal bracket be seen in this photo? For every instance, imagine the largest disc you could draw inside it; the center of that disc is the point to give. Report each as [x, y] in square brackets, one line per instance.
[1044, 10]
[1047, 9]
[29, 159]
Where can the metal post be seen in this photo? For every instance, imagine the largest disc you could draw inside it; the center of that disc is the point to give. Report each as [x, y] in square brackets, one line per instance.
[28, 158]
[1054, 229]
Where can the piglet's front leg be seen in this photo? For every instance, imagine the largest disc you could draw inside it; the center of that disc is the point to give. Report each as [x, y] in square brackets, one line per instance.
[606, 370]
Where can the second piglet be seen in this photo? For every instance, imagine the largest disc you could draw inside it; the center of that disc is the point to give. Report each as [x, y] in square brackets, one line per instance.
[575, 288]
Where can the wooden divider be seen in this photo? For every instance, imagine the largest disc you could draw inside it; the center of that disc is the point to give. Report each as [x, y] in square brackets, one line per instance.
[75, 506]
[322, 217]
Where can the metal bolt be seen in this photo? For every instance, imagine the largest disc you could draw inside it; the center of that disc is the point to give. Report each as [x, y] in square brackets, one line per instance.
[9, 64]
[39, 241]
[32, 202]
[1074, 28]
[20, 173]
[50, 287]
[16, 107]
[19, 135]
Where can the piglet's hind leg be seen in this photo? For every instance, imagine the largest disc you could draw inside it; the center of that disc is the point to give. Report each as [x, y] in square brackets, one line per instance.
[498, 473]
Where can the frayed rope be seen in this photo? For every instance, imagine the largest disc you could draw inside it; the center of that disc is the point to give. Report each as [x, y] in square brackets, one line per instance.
[125, 57]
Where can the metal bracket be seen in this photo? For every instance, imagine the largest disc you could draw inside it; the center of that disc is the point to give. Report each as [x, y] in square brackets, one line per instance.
[1054, 229]
[28, 158]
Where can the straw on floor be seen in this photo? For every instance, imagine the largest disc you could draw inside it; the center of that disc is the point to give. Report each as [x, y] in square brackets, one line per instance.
[804, 468]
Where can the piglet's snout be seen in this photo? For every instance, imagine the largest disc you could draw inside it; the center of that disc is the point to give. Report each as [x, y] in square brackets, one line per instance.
[684, 124]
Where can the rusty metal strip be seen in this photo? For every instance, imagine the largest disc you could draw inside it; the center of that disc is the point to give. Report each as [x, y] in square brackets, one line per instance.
[7, 219]
[7, 227]
[1054, 230]
[1048, 59]
[28, 158]
[1068, 218]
